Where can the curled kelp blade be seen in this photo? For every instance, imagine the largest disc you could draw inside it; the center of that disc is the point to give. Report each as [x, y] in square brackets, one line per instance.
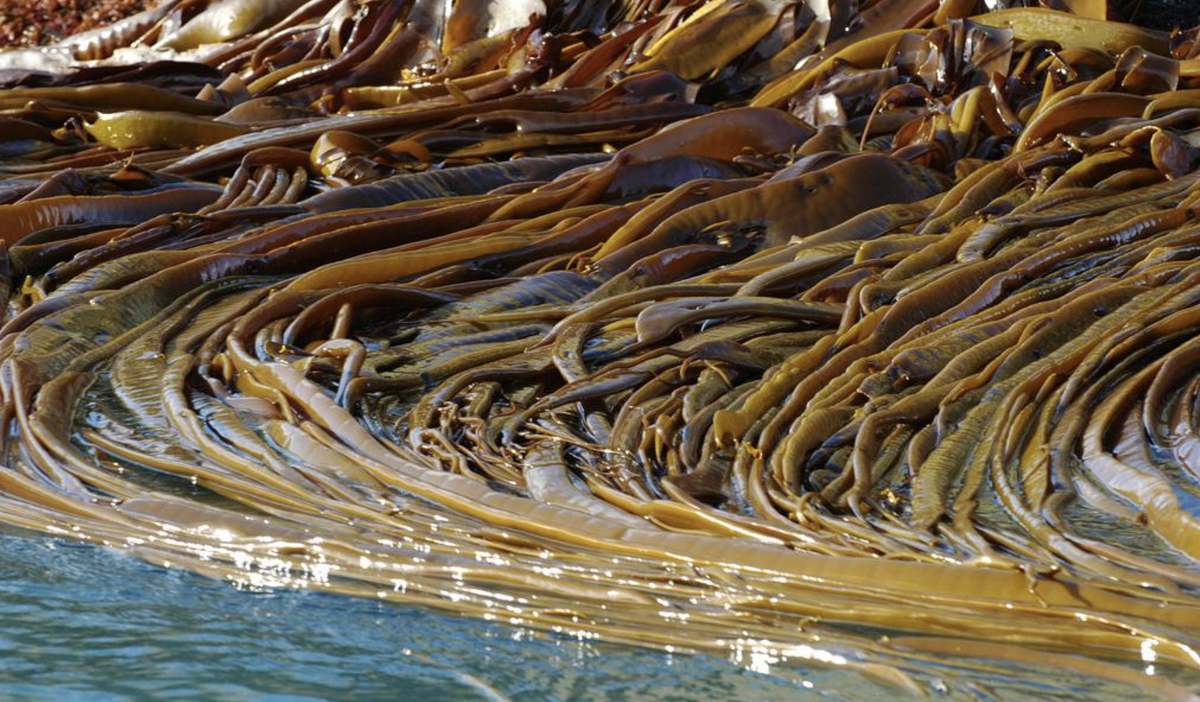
[749, 327]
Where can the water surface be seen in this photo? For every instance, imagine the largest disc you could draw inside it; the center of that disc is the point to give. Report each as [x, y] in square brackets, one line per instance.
[89, 624]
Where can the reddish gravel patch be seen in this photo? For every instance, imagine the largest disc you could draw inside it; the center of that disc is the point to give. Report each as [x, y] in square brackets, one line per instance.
[29, 22]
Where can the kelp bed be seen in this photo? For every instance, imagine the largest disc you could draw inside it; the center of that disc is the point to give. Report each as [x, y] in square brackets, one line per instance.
[860, 335]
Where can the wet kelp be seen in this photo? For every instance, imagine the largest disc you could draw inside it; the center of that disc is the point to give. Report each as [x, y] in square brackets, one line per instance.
[859, 334]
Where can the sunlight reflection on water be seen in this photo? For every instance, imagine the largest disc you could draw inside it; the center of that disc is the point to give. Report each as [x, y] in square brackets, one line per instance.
[94, 625]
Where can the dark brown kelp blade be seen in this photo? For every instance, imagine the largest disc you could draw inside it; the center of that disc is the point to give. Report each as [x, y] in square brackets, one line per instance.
[733, 326]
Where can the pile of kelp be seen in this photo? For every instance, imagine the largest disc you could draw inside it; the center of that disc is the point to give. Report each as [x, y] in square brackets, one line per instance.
[861, 334]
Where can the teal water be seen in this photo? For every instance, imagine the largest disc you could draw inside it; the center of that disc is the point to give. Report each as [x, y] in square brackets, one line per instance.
[86, 624]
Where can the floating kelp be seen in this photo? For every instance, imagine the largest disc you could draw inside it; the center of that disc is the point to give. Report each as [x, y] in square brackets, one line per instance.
[759, 327]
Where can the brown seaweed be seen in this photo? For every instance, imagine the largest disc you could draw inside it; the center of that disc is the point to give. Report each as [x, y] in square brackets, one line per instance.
[698, 325]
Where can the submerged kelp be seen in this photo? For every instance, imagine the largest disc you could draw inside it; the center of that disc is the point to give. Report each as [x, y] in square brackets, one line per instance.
[757, 326]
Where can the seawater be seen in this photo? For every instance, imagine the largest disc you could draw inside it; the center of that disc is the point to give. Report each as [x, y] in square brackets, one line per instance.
[85, 624]
[80, 623]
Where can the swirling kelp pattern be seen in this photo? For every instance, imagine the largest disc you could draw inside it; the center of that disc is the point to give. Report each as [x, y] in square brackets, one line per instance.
[747, 325]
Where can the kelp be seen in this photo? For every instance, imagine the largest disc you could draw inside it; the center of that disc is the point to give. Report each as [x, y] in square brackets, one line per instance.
[848, 334]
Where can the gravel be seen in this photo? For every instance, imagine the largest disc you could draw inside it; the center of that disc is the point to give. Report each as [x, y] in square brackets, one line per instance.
[29, 22]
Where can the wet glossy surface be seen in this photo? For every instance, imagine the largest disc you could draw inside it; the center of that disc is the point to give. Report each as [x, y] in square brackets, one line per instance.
[95, 625]
[627, 327]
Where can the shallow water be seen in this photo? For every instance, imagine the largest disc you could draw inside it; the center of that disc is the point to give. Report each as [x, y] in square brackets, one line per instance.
[88, 624]
[94, 625]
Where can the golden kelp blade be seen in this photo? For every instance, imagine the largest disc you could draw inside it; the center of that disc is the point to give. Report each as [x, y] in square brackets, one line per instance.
[714, 326]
